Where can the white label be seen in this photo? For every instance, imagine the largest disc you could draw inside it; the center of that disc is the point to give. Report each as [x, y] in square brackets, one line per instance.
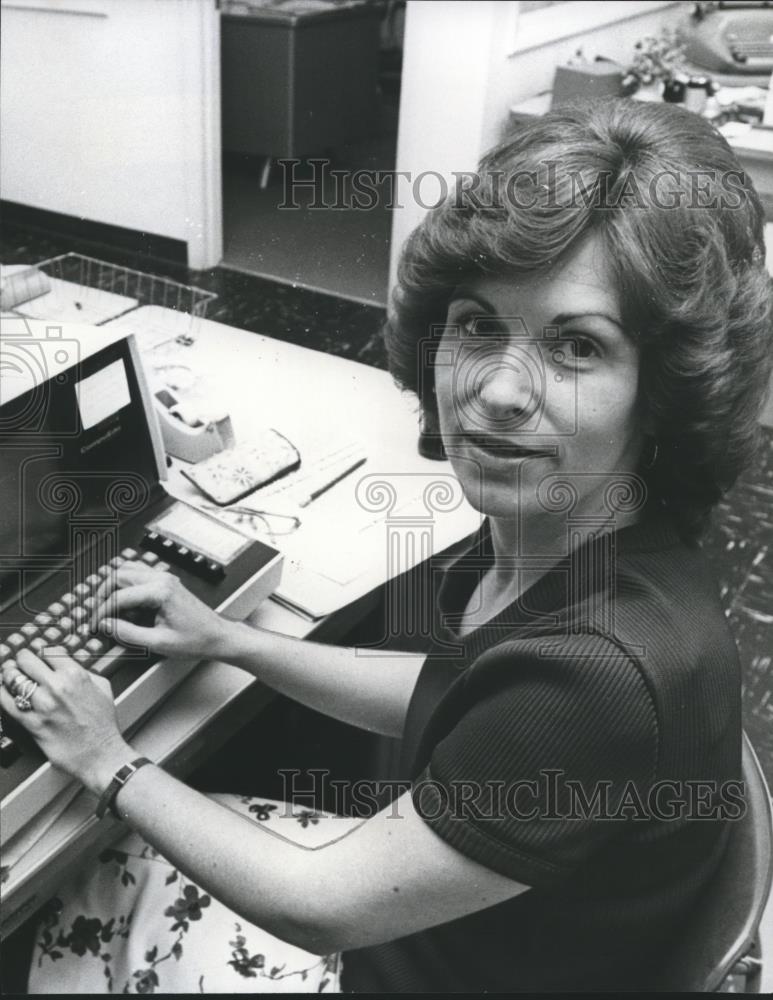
[102, 394]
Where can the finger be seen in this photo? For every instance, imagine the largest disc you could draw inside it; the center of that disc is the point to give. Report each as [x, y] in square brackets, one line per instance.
[129, 634]
[124, 576]
[33, 666]
[10, 675]
[57, 658]
[140, 595]
[113, 580]
[41, 667]
[8, 705]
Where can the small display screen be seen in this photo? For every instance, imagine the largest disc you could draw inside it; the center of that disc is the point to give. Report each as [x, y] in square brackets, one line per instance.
[188, 526]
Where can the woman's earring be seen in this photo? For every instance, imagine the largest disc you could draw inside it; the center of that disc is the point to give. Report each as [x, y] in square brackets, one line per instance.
[649, 462]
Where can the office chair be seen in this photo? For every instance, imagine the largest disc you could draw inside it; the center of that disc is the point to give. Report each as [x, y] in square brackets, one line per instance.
[723, 939]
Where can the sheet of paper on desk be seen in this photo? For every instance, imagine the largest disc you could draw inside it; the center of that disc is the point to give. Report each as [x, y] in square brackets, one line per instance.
[347, 546]
[68, 302]
[156, 325]
[340, 563]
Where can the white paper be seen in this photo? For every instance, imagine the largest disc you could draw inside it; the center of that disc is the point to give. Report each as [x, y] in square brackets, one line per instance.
[102, 394]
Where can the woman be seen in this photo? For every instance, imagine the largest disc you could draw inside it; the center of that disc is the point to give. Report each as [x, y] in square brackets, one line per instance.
[590, 325]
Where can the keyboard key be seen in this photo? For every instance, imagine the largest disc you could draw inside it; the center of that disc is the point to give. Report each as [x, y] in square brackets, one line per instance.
[52, 634]
[83, 630]
[129, 554]
[56, 609]
[66, 624]
[11, 664]
[29, 631]
[150, 558]
[81, 590]
[37, 645]
[78, 614]
[68, 600]
[71, 643]
[117, 561]
[16, 641]
[43, 619]
[95, 646]
[104, 571]
[82, 657]
[89, 603]
[93, 581]
[5, 651]
[163, 567]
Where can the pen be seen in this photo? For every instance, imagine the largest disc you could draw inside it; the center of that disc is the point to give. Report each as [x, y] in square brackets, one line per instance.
[326, 486]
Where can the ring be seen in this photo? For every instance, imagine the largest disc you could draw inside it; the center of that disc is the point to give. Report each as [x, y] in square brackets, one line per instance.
[24, 694]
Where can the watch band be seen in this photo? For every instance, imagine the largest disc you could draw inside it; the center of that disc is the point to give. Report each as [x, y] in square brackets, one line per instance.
[119, 779]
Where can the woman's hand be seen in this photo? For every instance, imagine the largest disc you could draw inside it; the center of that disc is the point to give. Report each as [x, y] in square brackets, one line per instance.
[71, 715]
[178, 624]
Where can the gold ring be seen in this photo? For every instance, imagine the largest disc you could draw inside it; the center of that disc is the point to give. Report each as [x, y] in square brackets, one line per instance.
[23, 699]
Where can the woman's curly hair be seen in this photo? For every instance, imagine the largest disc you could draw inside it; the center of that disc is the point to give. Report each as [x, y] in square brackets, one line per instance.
[683, 228]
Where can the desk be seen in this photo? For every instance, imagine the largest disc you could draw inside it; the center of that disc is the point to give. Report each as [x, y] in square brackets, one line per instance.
[266, 381]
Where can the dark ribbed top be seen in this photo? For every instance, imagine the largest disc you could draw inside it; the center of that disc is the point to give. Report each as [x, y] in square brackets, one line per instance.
[613, 674]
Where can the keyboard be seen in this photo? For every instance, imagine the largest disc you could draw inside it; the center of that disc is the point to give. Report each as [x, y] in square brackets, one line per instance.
[57, 611]
[65, 623]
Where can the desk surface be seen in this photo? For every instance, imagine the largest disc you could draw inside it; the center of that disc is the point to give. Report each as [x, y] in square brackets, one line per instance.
[265, 382]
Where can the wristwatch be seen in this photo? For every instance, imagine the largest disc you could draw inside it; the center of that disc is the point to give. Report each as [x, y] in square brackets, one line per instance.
[119, 779]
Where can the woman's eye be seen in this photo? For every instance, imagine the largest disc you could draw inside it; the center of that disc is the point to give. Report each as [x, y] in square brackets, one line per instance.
[577, 347]
[478, 326]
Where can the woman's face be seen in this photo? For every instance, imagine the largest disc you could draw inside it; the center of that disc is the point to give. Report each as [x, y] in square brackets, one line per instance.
[535, 377]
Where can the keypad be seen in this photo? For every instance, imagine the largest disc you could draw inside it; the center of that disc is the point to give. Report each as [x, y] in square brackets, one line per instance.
[182, 555]
[66, 623]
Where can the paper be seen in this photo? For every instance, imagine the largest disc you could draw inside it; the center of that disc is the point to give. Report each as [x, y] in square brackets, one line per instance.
[68, 302]
[102, 394]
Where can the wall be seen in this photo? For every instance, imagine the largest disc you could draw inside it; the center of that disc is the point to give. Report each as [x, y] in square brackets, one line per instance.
[110, 112]
[459, 80]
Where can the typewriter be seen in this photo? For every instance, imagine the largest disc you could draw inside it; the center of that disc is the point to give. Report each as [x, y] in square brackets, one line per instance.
[81, 492]
[731, 38]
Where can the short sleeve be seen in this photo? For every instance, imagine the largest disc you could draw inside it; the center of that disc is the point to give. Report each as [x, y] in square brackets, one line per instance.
[552, 751]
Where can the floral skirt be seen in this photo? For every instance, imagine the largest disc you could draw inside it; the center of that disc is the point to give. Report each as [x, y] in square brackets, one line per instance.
[136, 924]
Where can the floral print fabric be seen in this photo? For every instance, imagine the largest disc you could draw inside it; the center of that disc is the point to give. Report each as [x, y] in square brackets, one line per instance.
[136, 924]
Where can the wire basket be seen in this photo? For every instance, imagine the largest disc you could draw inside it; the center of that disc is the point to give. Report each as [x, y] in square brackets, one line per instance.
[86, 290]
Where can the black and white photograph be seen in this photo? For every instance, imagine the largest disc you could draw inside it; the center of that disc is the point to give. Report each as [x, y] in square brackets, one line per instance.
[386, 496]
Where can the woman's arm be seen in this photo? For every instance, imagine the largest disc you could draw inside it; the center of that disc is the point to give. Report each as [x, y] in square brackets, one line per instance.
[387, 877]
[362, 687]
[366, 688]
